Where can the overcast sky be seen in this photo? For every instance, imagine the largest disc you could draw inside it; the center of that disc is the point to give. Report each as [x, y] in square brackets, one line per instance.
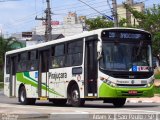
[19, 16]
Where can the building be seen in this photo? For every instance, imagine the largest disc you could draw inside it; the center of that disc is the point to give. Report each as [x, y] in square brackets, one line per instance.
[36, 39]
[71, 18]
[29, 38]
[123, 13]
[71, 25]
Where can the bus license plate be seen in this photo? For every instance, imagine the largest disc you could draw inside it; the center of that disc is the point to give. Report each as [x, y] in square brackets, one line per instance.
[132, 92]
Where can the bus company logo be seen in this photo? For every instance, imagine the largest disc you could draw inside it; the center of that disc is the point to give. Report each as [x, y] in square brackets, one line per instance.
[122, 82]
[57, 75]
[131, 76]
[132, 81]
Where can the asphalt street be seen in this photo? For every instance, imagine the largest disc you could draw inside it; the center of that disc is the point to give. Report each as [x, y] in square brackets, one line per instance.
[91, 110]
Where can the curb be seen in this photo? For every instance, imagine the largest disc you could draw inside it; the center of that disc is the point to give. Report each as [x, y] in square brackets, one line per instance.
[141, 101]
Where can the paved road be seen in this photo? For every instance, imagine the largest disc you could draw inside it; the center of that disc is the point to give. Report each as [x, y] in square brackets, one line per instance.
[47, 111]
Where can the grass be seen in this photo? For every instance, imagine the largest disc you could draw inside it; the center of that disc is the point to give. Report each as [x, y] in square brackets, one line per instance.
[1, 85]
[157, 90]
[157, 76]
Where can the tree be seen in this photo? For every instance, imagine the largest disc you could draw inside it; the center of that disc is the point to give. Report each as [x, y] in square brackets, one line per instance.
[98, 22]
[102, 22]
[6, 45]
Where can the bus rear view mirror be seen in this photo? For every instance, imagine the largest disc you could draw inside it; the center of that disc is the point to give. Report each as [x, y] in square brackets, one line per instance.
[99, 50]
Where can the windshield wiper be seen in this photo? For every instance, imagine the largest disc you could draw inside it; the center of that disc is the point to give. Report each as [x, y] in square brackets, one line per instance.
[139, 50]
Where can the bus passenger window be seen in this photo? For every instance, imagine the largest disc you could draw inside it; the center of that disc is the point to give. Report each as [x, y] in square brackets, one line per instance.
[58, 56]
[74, 53]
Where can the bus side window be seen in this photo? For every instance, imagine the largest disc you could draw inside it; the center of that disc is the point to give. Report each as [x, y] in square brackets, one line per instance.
[33, 60]
[74, 53]
[58, 56]
[19, 63]
[22, 60]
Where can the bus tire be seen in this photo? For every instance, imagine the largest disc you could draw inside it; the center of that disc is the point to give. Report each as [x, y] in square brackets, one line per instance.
[119, 102]
[59, 102]
[74, 96]
[23, 97]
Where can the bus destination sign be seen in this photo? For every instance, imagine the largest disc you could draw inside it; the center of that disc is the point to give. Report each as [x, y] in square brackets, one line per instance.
[125, 35]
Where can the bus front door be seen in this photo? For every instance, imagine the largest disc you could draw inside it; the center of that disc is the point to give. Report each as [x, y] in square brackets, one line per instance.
[90, 68]
[43, 73]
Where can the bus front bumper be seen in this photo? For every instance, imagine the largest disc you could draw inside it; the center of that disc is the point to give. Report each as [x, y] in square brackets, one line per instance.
[106, 91]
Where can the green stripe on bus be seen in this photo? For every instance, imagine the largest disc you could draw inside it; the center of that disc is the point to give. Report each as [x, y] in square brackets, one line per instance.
[21, 78]
[44, 86]
[31, 81]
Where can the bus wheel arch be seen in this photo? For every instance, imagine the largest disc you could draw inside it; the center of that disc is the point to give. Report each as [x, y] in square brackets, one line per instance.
[22, 96]
[73, 94]
[21, 85]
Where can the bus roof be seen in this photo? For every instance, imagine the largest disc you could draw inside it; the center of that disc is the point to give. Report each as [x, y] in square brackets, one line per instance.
[69, 38]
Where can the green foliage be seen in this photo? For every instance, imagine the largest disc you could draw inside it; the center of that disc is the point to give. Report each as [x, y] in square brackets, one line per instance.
[156, 43]
[1, 86]
[157, 76]
[1, 76]
[99, 22]
[122, 22]
[6, 45]
[157, 90]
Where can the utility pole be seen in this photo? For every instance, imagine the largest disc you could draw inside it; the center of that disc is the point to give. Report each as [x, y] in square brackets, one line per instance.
[114, 4]
[48, 30]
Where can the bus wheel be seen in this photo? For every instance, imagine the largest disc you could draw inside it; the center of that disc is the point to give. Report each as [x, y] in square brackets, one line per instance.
[74, 97]
[119, 102]
[59, 101]
[23, 98]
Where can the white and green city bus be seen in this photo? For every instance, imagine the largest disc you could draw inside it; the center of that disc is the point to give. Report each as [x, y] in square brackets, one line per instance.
[109, 64]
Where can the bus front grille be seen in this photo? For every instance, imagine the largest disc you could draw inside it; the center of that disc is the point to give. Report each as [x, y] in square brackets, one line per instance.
[131, 85]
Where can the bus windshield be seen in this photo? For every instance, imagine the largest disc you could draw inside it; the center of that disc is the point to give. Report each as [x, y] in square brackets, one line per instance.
[125, 57]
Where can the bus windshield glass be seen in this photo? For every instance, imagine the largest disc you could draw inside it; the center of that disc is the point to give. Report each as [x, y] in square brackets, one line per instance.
[125, 57]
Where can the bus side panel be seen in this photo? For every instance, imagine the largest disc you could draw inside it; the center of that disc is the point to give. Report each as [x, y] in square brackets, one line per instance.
[6, 80]
[59, 80]
[57, 83]
[6, 85]
[77, 77]
[30, 81]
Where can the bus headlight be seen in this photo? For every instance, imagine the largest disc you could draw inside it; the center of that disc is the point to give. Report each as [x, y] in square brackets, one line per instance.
[150, 83]
[108, 82]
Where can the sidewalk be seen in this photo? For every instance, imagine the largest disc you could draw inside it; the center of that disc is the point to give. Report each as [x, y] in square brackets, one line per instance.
[155, 99]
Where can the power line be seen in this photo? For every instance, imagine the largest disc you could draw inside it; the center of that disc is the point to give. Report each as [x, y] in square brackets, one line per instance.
[95, 9]
[78, 6]
[110, 6]
[9, 0]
